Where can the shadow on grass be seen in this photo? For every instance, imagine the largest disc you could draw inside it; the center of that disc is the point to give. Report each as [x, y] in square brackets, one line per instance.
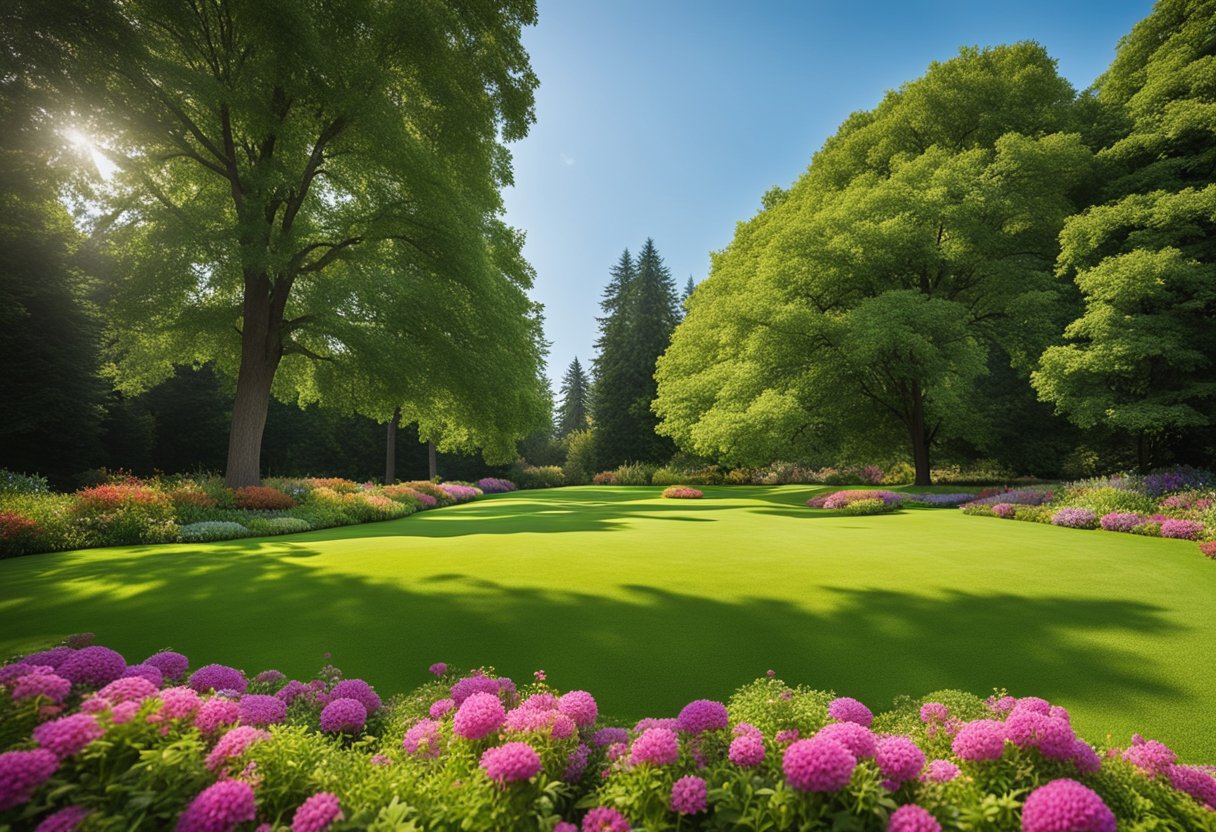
[641, 649]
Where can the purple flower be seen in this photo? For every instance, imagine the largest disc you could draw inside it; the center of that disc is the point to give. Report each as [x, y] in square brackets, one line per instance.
[172, 665]
[860, 741]
[68, 735]
[261, 709]
[688, 795]
[1121, 521]
[1075, 518]
[510, 762]
[1151, 757]
[579, 706]
[656, 747]
[145, 671]
[1196, 782]
[217, 677]
[934, 712]
[128, 689]
[316, 813]
[746, 751]
[981, 739]
[179, 703]
[565, 826]
[651, 722]
[269, 677]
[1182, 529]
[52, 658]
[221, 807]
[439, 668]
[1066, 806]
[22, 772]
[703, 715]
[65, 820]
[470, 685]
[214, 714]
[381, 760]
[494, 485]
[356, 689]
[608, 736]
[292, 691]
[233, 744]
[423, 738]
[478, 715]
[441, 707]
[818, 765]
[899, 759]
[846, 709]
[343, 715]
[787, 736]
[1005, 511]
[576, 763]
[48, 685]
[940, 771]
[605, 819]
[913, 818]
[94, 666]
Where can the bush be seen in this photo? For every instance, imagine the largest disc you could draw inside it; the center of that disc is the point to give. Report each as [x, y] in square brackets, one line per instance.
[901, 473]
[1075, 518]
[1033, 514]
[115, 514]
[633, 473]
[13, 483]
[1107, 499]
[494, 485]
[1120, 521]
[209, 530]
[864, 507]
[398, 768]
[532, 476]
[461, 493]
[580, 456]
[19, 534]
[604, 478]
[1005, 511]
[408, 497]
[262, 498]
[338, 484]
[1149, 528]
[840, 499]
[1208, 549]
[1182, 529]
[441, 497]
[266, 526]
[682, 492]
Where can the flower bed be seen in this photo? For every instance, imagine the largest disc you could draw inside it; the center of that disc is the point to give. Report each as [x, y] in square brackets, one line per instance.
[682, 492]
[155, 746]
[182, 509]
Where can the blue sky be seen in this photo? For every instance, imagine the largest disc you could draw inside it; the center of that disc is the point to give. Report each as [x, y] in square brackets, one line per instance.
[669, 118]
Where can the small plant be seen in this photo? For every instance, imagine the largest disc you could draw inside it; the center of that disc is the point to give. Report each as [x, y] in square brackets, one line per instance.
[1005, 511]
[278, 525]
[13, 483]
[604, 478]
[19, 535]
[1182, 529]
[1208, 549]
[1120, 521]
[209, 530]
[682, 492]
[858, 508]
[262, 498]
[633, 473]
[1075, 518]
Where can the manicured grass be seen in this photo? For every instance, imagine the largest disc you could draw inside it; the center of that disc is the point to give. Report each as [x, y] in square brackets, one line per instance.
[650, 603]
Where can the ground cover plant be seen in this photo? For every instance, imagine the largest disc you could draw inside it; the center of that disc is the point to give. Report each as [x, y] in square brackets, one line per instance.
[193, 510]
[1115, 627]
[92, 742]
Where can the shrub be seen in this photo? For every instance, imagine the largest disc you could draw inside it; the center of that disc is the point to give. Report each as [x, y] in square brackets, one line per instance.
[1075, 518]
[262, 498]
[864, 507]
[1107, 499]
[338, 484]
[1121, 521]
[1167, 480]
[209, 530]
[1182, 529]
[604, 478]
[114, 514]
[13, 483]
[1149, 528]
[1208, 549]
[682, 492]
[494, 485]
[1021, 497]
[441, 497]
[1033, 514]
[580, 456]
[19, 534]
[939, 500]
[461, 493]
[901, 473]
[840, 499]
[266, 526]
[1005, 511]
[633, 473]
[543, 476]
[738, 476]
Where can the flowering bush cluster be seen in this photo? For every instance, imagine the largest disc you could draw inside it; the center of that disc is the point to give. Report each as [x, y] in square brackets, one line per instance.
[1178, 503]
[682, 492]
[199, 510]
[88, 741]
[494, 485]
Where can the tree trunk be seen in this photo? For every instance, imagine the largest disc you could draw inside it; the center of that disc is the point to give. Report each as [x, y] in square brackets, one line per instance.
[261, 351]
[390, 451]
[431, 460]
[920, 440]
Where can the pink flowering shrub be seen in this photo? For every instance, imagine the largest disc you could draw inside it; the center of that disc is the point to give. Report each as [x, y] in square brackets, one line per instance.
[1182, 529]
[477, 751]
[841, 499]
[682, 492]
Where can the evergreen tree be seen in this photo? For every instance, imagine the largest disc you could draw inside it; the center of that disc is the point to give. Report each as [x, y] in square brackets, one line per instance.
[610, 393]
[575, 391]
[688, 290]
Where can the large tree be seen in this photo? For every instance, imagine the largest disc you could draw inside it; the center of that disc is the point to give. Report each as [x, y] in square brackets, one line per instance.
[574, 412]
[862, 303]
[294, 178]
[1141, 359]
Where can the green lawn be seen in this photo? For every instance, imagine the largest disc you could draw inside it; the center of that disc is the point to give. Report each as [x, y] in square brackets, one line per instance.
[649, 603]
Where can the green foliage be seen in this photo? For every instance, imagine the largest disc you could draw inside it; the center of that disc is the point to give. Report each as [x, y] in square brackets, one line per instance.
[863, 507]
[1105, 500]
[13, 483]
[532, 476]
[773, 706]
[277, 525]
[580, 456]
[574, 413]
[633, 473]
[213, 530]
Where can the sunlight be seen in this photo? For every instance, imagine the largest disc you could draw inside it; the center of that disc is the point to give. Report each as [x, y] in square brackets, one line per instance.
[85, 144]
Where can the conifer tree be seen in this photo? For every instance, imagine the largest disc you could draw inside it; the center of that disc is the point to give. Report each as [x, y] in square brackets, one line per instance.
[575, 392]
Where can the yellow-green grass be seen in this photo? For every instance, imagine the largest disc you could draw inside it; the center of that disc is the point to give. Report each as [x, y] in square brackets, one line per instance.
[649, 603]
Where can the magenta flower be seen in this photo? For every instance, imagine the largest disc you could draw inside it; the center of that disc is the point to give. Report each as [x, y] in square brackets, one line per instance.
[146, 672]
[128, 689]
[438, 668]
[221, 807]
[913, 818]
[440, 707]
[68, 735]
[580, 706]
[261, 709]
[470, 685]
[316, 813]
[576, 763]
[1182, 529]
[608, 736]
[22, 772]
[605, 819]
[1196, 782]
[1075, 518]
[786, 736]
[859, 740]
[1066, 806]
[934, 712]
[703, 715]
[52, 658]
[688, 795]
[818, 765]
[171, 665]
[214, 714]
[899, 759]
[940, 771]
[670, 724]
[179, 703]
[656, 747]
[233, 744]
[269, 677]
[1151, 757]
[423, 739]
[342, 716]
[1085, 758]
[356, 689]
[847, 709]
[510, 762]
[47, 685]
[746, 751]
[478, 715]
[217, 677]
[980, 739]
[65, 820]
[93, 666]
[565, 826]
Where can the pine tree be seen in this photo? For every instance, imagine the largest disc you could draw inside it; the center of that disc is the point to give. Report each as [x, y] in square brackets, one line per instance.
[688, 290]
[575, 392]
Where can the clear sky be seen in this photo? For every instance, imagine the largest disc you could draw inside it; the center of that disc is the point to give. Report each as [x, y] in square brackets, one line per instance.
[670, 118]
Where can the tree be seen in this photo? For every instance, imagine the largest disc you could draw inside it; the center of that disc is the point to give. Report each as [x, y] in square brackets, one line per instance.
[689, 287]
[863, 302]
[575, 392]
[293, 176]
[1140, 359]
[610, 390]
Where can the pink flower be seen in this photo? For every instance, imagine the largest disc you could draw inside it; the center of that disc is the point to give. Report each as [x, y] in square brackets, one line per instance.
[123, 712]
[261, 709]
[703, 715]
[608, 736]
[441, 707]
[214, 714]
[65, 820]
[68, 735]
[343, 715]
[470, 685]
[179, 703]
[316, 813]
[899, 759]
[128, 689]
[220, 807]
[788, 736]
[478, 715]
[171, 665]
[439, 668]
[746, 751]
[1151, 757]
[913, 818]
[847, 709]
[981, 739]
[22, 772]
[48, 685]
[510, 762]
[233, 744]
[1066, 806]
[423, 739]
[940, 771]
[605, 819]
[818, 765]
[359, 690]
[656, 747]
[859, 740]
[934, 712]
[1196, 782]
[688, 795]
[580, 706]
